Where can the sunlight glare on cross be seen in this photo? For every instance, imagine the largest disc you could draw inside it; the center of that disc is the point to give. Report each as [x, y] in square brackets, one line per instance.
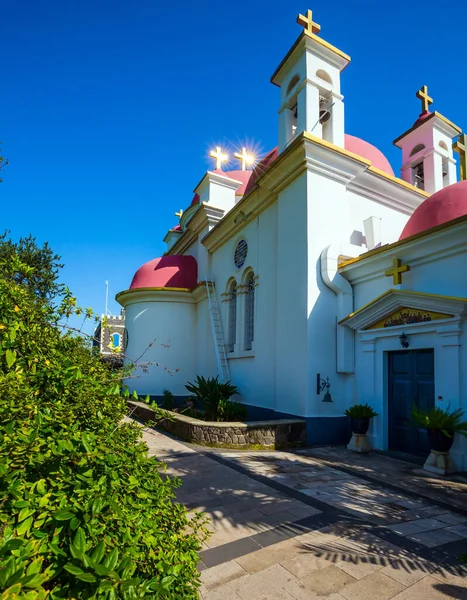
[219, 156]
[245, 158]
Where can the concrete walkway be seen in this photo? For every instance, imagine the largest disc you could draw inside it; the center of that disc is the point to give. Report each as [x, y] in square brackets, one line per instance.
[291, 526]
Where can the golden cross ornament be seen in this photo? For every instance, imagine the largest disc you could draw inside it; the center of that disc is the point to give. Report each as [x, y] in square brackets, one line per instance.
[422, 95]
[219, 157]
[460, 146]
[245, 158]
[307, 22]
[396, 272]
[179, 214]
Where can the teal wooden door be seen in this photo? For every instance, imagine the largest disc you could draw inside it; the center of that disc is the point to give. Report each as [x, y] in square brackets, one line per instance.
[411, 382]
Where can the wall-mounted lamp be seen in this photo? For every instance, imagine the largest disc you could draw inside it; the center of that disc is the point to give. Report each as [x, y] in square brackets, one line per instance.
[323, 384]
[404, 341]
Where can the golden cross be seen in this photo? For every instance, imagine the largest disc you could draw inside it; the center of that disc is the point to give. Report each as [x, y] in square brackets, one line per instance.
[179, 214]
[244, 157]
[219, 156]
[396, 272]
[422, 95]
[307, 22]
[461, 147]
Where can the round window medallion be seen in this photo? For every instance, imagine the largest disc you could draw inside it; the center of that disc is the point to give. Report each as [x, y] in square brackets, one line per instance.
[241, 251]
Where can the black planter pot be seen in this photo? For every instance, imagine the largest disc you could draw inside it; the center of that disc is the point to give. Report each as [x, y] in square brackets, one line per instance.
[360, 425]
[439, 442]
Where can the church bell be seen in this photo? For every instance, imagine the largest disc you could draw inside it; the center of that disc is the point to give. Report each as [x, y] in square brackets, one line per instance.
[324, 110]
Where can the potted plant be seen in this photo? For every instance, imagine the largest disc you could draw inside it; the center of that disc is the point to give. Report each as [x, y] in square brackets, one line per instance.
[360, 415]
[441, 426]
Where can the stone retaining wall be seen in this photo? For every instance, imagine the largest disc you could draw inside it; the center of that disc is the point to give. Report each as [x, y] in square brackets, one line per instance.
[281, 433]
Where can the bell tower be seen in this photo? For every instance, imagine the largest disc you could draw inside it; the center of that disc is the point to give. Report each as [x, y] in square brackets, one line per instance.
[427, 154]
[309, 78]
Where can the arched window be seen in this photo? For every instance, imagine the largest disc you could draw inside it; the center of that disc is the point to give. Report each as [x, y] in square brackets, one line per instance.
[116, 340]
[323, 75]
[232, 338]
[250, 312]
[417, 149]
[293, 82]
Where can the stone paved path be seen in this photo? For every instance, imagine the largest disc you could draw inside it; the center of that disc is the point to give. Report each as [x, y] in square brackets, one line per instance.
[288, 526]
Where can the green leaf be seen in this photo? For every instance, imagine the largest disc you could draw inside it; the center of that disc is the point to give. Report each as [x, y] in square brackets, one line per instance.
[73, 569]
[64, 514]
[35, 566]
[111, 559]
[25, 513]
[98, 553]
[10, 356]
[79, 540]
[89, 577]
[24, 527]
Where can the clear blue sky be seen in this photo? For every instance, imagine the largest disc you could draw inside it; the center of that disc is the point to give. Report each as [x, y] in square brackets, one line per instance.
[109, 108]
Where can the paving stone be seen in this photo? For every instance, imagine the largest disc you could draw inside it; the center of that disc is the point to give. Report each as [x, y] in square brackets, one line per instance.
[460, 530]
[266, 557]
[320, 584]
[407, 528]
[452, 575]
[221, 574]
[362, 566]
[224, 592]
[216, 556]
[374, 587]
[409, 570]
[435, 538]
[304, 563]
[452, 518]
[260, 584]
[281, 594]
[429, 524]
[430, 588]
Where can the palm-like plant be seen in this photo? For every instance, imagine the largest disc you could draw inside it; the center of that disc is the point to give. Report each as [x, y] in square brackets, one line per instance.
[437, 419]
[209, 392]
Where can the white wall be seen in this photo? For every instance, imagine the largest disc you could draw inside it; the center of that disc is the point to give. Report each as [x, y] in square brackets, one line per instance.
[432, 272]
[161, 322]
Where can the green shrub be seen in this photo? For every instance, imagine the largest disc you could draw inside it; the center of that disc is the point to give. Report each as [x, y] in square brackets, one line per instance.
[168, 400]
[437, 419]
[360, 411]
[84, 513]
[231, 411]
[209, 392]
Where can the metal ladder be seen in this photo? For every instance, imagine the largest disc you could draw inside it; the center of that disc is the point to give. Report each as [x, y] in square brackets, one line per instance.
[222, 364]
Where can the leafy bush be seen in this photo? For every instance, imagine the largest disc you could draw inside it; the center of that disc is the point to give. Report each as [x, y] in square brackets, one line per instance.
[231, 411]
[437, 419]
[360, 411]
[209, 393]
[84, 513]
[168, 400]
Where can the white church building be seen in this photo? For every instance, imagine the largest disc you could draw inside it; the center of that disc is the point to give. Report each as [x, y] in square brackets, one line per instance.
[318, 278]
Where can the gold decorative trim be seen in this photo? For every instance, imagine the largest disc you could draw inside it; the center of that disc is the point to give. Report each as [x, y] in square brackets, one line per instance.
[153, 289]
[416, 236]
[394, 291]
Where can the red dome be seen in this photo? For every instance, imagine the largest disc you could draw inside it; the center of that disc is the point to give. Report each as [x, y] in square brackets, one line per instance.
[243, 176]
[368, 151]
[178, 271]
[443, 206]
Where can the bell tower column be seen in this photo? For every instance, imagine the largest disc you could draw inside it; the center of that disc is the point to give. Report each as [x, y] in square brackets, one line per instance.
[309, 78]
[427, 149]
